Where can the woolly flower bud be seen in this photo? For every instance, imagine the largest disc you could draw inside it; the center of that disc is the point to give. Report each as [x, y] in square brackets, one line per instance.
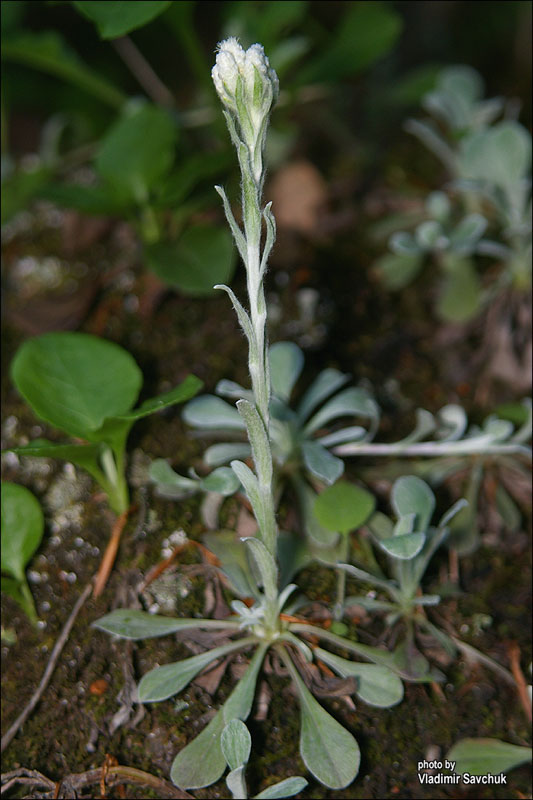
[246, 84]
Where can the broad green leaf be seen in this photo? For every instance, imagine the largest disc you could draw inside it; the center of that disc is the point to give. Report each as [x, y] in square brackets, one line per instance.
[461, 291]
[22, 528]
[186, 389]
[114, 18]
[202, 258]
[321, 463]
[20, 188]
[318, 534]
[99, 200]
[328, 750]
[412, 495]
[397, 270]
[343, 507]
[137, 151]
[236, 744]
[75, 381]
[287, 788]
[349, 402]
[286, 364]
[403, 243]
[133, 624]
[484, 756]
[326, 382]
[211, 412]
[83, 455]
[405, 546]
[47, 52]
[366, 33]
[233, 561]
[376, 685]
[202, 762]
[222, 480]
[19, 591]
[164, 682]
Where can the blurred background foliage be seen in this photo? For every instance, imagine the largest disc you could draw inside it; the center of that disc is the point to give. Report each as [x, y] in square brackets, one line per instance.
[108, 107]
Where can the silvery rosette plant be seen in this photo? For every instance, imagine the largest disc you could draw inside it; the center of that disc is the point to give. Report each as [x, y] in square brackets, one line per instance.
[489, 164]
[248, 88]
[310, 439]
[300, 441]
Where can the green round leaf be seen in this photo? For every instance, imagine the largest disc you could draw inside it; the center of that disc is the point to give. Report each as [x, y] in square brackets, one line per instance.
[22, 528]
[115, 18]
[411, 495]
[203, 257]
[137, 151]
[75, 381]
[236, 744]
[343, 507]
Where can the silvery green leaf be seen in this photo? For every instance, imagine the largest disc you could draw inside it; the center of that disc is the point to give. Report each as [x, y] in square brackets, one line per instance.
[233, 562]
[133, 624]
[411, 494]
[222, 480]
[466, 234]
[210, 412]
[321, 463]
[376, 684]
[404, 547]
[405, 524]
[498, 430]
[425, 424]
[368, 603]
[452, 511]
[461, 81]
[170, 483]
[236, 744]
[461, 291]
[259, 441]
[430, 235]
[403, 243]
[326, 382]
[251, 487]
[236, 783]
[202, 762]
[328, 750]
[380, 526]
[349, 402]
[270, 223]
[164, 682]
[438, 206]
[486, 112]
[287, 788]
[507, 509]
[397, 270]
[500, 155]
[452, 111]
[236, 231]
[286, 364]
[242, 316]
[452, 423]
[233, 390]
[428, 134]
[266, 565]
[219, 454]
[304, 649]
[487, 756]
[346, 435]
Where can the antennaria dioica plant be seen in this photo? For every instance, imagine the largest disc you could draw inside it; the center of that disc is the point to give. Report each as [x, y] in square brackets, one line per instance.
[248, 89]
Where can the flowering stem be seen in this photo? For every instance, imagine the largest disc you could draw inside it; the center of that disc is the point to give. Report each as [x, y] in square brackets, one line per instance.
[248, 87]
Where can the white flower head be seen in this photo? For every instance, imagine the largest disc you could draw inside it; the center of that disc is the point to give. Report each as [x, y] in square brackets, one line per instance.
[247, 86]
